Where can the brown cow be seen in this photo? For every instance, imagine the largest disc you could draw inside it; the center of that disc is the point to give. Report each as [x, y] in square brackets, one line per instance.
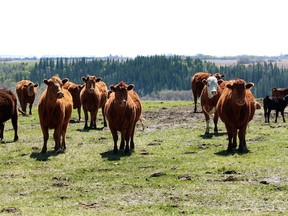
[236, 107]
[123, 109]
[279, 92]
[75, 90]
[26, 91]
[197, 84]
[8, 110]
[93, 96]
[209, 98]
[55, 110]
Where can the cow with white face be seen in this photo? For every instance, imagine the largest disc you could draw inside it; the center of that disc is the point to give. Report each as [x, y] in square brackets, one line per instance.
[209, 98]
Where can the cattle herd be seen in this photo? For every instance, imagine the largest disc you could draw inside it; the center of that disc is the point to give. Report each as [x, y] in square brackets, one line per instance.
[231, 100]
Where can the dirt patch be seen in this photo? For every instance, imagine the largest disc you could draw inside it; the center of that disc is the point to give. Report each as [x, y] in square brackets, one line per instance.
[178, 116]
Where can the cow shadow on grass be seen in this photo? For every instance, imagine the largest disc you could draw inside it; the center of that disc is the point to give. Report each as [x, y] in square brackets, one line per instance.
[111, 156]
[7, 142]
[38, 156]
[90, 129]
[236, 151]
[210, 135]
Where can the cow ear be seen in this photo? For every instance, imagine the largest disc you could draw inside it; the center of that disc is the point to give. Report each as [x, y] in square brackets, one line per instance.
[65, 80]
[112, 88]
[222, 75]
[229, 86]
[130, 87]
[80, 87]
[36, 85]
[98, 79]
[249, 85]
[219, 81]
[84, 79]
[46, 81]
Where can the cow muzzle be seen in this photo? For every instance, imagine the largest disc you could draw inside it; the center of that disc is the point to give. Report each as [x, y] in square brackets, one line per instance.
[91, 90]
[60, 94]
[240, 102]
[123, 103]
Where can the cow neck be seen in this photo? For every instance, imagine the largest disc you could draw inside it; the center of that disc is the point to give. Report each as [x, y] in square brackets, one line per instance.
[52, 100]
[120, 112]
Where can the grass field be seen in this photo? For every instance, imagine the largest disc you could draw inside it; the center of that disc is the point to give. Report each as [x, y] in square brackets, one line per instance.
[174, 170]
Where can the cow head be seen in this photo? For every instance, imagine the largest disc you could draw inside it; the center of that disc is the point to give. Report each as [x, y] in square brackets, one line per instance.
[211, 85]
[30, 89]
[238, 88]
[121, 92]
[55, 85]
[219, 76]
[90, 82]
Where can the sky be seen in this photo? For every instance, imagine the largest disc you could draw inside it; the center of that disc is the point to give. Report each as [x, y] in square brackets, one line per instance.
[130, 28]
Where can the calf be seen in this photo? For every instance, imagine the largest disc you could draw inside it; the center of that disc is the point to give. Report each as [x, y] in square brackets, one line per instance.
[209, 98]
[93, 96]
[26, 91]
[123, 109]
[8, 110]
[236, 107]
[55, 110]
[75, 90]
[278, 104]
[197, 84]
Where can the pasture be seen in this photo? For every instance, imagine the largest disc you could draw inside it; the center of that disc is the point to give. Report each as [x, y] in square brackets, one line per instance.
[174, 170]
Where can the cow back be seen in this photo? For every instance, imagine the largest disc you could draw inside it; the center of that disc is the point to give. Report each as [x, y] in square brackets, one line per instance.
[279, 92]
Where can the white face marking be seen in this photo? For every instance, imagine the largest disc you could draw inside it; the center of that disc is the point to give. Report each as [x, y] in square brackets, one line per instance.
[212, 86]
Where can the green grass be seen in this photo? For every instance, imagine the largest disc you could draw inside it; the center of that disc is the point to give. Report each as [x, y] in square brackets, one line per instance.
[174, 170]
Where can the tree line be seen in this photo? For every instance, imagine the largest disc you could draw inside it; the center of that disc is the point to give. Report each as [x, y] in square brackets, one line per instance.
[149, 74]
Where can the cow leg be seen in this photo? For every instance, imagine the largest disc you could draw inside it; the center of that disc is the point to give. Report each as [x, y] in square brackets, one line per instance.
[132, 145]
[195, 103]
[265, 115]
[64, 129]
[115, 139]
[128, 135]
[104, 118]
[15, 125]
[127, 138]
[86, 119]
[30, 109]
[282, 113]
[215, 122]
[230, 138]
[234, 145]
[93, 119]
[277, 113]
[57, 138]
[46, 136]
[79, 113]
[207, 119]
[122, 144]
[242, 144]
[1, 130]
[268, 115]
[24, 106]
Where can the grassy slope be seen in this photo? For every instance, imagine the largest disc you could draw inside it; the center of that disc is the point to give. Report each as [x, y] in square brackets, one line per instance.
[193, 172]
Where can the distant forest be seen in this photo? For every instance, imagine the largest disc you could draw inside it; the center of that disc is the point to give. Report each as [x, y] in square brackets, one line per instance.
[149, 74]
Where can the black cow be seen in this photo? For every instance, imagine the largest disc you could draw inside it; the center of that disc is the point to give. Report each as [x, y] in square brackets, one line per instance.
[272, 103]
[8, 110]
